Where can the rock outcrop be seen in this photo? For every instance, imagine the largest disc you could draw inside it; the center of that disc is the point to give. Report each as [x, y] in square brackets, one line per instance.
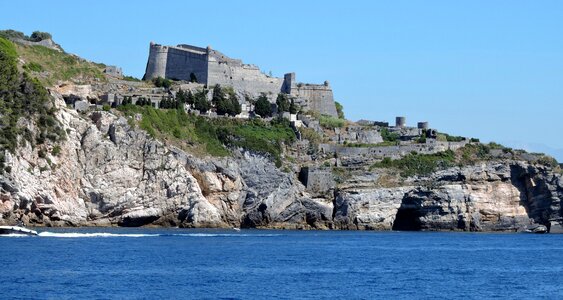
[507, 196]
[107, 173]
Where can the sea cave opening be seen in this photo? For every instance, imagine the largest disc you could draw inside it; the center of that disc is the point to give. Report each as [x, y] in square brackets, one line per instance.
[407, 219]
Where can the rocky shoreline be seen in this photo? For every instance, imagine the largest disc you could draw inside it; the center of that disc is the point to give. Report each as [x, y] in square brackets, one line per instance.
[111, 174]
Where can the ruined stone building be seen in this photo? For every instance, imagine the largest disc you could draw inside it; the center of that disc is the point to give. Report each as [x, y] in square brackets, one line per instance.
[211, 67]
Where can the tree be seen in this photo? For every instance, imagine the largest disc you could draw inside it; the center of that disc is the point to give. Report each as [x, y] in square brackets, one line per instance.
[181, 96]
[282, 102]
[235, 105]
[263, 107]
[293, 109]
[193, 78]
[201, 102]
[339, 109]
[218, 95]
[190, 99]
[126, 100]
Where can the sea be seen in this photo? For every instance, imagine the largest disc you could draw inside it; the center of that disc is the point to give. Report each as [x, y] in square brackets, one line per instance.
[146, 263]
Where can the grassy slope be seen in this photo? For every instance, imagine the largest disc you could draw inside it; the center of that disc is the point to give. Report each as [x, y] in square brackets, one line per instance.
[51, 66]
[206, 136]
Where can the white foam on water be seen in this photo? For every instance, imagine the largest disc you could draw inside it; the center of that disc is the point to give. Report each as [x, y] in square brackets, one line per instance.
[139, 235]
[93, 234]
[14, 235]
[223, 234]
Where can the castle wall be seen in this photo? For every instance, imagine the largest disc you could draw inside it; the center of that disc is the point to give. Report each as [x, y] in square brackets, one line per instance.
[212, 67]
[319, 98]
[181, 63]
[232, 72]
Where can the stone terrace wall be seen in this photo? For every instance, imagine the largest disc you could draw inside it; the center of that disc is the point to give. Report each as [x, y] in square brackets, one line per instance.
[393, 152]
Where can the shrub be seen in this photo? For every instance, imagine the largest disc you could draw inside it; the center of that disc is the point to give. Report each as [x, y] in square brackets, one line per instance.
[106, 107]
[547, 161]
[339, 109]
[331, 122]
[56, 150]
[38, 36]
[419, 164]
[162, 82]
[388, 136]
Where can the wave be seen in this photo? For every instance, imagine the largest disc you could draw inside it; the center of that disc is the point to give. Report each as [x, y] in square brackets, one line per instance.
[14, 235]
[139, 235]
[93, 234]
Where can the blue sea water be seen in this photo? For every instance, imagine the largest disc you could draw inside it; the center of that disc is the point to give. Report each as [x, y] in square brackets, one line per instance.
[141, 263]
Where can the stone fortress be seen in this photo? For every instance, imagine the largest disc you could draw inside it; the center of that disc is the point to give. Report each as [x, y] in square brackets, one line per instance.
[211, 67]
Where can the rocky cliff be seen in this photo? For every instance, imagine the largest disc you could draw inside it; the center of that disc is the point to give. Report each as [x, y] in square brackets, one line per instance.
[108, 173]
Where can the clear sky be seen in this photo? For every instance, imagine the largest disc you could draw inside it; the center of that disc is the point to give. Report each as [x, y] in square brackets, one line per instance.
[486, 69]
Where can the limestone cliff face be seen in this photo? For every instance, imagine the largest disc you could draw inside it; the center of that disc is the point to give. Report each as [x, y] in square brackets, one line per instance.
[108, 173]
[505, 196]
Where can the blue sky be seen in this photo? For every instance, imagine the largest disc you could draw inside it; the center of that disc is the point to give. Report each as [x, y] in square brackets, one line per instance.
[486, 69]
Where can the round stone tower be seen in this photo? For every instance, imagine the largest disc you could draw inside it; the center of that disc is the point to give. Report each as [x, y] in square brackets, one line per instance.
[400, 122]
[156, 65]
[422, 125]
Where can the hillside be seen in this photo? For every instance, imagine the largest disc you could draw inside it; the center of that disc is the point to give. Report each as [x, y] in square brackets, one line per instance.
[134, 164]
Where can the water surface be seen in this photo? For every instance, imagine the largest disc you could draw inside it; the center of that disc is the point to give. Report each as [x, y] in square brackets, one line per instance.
[101, 263]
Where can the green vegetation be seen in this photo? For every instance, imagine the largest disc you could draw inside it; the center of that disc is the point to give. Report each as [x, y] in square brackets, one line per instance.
[56, 150]
[131, 78]
[36, 36]
[58, 65]
[388, 136]
[263, 107]
[283, 103]
[548, 161]
[293, 109]
[23, 97]
[419, 164]
[339, 110]
[225, 101]
[256, 135]
[162, 82]
[444, 137]
[330, 122]
[212, 135]
[200, 101]
[33, 67]
[470, 154]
